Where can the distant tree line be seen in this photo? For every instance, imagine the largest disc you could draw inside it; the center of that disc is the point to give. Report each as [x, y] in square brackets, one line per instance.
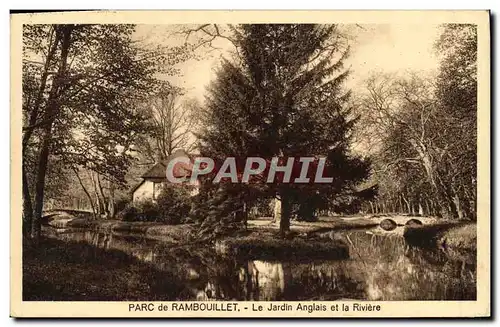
[422, 130]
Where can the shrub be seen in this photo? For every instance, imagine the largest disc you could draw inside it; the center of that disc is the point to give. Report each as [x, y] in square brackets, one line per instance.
[172, 207]
[262, 207]
[174, 204]
[200, 206]
[148, 211]
[122, 202]
[128, 213]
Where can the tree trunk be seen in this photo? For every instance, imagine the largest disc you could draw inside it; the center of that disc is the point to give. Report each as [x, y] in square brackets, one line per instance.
[111, 202]
[276, 211]
[431, 208]
[27, 205]
[420, 209]
[102, 197]
[53, 108]
[286, 211]
[408, 205]
[458, 207]
[86, 192]
[39, 97]
[33, 116]
[36, 225]
[98, 205]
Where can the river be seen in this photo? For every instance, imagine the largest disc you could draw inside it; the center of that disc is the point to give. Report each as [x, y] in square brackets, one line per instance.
[381, 267]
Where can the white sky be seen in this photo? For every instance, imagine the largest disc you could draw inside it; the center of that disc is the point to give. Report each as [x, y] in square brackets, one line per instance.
[393, 49]
[384, 47]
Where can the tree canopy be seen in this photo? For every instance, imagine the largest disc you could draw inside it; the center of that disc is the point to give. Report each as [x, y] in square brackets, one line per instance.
[285, 98]
[81, 84]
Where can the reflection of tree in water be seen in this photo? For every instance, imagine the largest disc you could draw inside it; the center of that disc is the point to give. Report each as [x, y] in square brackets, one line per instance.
[207, 276]
[249, 277]
[274, 281]
[381, 267]
[248, 280]
[323, 281]
[452, 276]
[222, 280]
[232, 279]
[396, 271]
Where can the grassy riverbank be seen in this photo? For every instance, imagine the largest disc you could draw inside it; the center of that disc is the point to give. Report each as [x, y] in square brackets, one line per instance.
[265, 246]
[66, 271]
[180, 233]
[461, 236]
[153, 230]
[319, 239]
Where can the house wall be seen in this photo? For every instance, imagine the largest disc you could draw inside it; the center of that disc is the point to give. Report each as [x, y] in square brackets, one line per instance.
[158, 186]
[149, 190]
[144, 192]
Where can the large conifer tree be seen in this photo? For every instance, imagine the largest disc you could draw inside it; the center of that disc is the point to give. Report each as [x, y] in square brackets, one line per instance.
[283, 96]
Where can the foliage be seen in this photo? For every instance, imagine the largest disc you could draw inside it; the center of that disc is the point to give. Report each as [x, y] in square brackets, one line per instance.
[81, 85]
[423, 132]
[122, 202]
[284, 97]
[129, 213]
[148, 211]
[107, 74]
[174, 204]
[262, 207]
[220, 211]
[172, 207]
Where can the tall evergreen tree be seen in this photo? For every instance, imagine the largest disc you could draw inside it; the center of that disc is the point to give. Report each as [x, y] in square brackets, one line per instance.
[283, 96]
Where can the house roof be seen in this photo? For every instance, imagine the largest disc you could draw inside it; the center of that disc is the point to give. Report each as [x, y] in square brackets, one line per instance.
[136, 186]
[158, 171]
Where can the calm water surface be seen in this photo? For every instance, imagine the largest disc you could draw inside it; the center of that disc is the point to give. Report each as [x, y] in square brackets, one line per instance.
[381, 267]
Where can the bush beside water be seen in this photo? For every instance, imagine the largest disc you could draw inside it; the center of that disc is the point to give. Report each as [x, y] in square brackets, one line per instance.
[172, 207]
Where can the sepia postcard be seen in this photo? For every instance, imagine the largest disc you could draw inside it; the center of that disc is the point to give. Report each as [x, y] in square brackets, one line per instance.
[313, 164]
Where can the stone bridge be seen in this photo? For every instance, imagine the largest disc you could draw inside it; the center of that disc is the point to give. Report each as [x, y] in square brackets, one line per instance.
[64, 215]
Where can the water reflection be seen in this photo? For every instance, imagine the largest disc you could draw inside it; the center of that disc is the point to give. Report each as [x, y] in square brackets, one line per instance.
[381, 267]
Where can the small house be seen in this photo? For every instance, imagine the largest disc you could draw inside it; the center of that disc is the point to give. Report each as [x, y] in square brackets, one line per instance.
[155, 178]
